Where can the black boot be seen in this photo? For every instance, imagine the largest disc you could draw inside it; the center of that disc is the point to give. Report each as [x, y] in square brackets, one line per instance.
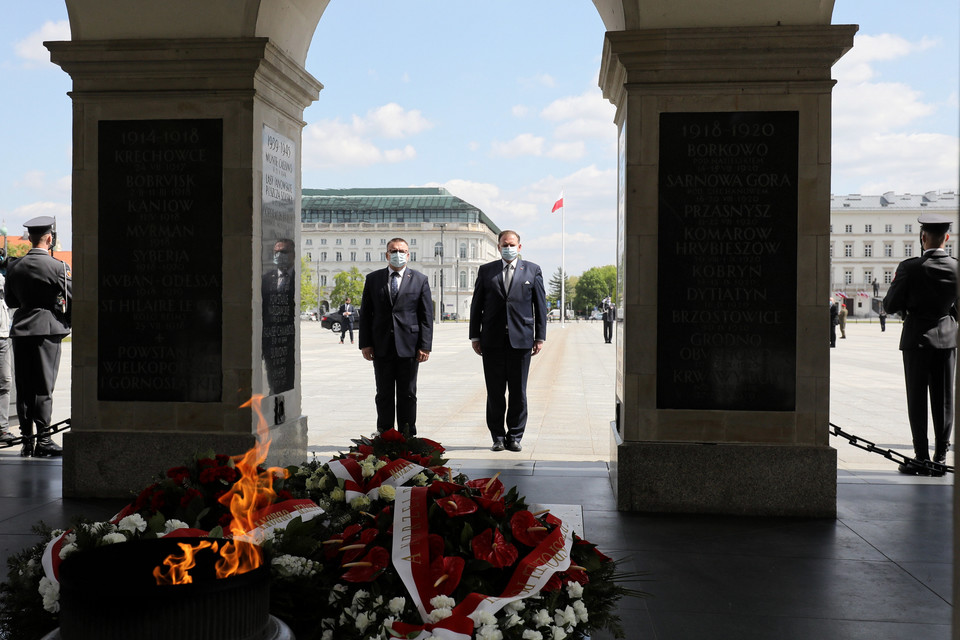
[45, 447]
[26, 451]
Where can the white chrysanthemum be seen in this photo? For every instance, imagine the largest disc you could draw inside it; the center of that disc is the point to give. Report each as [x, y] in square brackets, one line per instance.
[50, 590]
[581, 610]
[288, 565]
[530, 634]
[440, 613]
[56, 533]
[363, 621]
[359, 597]
[483, 617]
[443, 601]
[338, 495]
[542, 618]
[387, 492]
[114, 538]
[558, 633]
[173, 524]
[133, 522]
[512, 620]
[574, 589]
[396, 605]
[489, 632]
[515, 607]
[327, 635]
[67, 549]
[565, 617]
[360, 503]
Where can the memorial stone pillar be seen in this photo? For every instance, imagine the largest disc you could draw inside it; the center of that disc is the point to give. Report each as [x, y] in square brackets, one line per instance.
[186, 218]
[722, 381]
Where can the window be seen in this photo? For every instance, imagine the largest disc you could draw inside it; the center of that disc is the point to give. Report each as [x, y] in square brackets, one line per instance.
[473, 251]
[848, 277]
[323, 281]
[848, 250]
[868, 228]
[368, 256]
[463, 280]
[413, 256]
[339, 257]
[463, 250]
[438, 249]
[908, 250]
[323, 241]
[309, 256]
[323, 256]
[339, 241]
[848, 228]
[887, 250]
[867, 250]
[831, 249]
[413, 242]
[867, 276]
[353, 242]
[908, 228]
[353, 256]
[309, 242]
[383, 242]
[888, 228]
[887, 276]
[367, 241]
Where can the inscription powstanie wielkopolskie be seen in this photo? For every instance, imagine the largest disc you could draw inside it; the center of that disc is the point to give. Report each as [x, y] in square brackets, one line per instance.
[727, 266]
[160, 260]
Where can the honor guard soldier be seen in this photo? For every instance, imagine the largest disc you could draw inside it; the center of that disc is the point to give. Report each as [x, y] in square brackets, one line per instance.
[39, 287]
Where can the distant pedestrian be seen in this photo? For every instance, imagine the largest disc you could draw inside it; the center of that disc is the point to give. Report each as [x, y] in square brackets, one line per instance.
[834, 321]
[842, 317]
[346, 324]
[925, 289]
[607, 309]
[883, 319]
[6, 368]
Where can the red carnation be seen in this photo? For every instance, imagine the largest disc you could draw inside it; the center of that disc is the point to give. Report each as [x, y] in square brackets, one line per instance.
[492, 547]
[188, 497]
[457, 505]
[527, 529]
[366, 569]
[178, 474]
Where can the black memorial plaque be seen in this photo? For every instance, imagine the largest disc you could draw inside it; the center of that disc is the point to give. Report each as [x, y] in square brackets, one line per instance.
[160, 260]
[727, 268]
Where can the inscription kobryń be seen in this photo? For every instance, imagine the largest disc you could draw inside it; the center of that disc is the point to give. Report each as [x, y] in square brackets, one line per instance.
[160, 285]
[725, 182]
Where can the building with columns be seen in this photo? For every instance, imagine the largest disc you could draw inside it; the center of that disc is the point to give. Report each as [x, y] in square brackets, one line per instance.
[449, 238]
[871, 234]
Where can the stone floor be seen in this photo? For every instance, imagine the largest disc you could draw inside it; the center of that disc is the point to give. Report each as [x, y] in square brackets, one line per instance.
[881, 570]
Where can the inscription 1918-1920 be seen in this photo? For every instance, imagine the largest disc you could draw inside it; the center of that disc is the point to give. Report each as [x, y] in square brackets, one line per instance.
[160, 260]
[727, 268]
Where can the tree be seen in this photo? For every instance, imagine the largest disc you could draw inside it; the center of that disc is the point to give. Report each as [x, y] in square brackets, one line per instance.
[309, 297]
[594, 285]
[347, 284]
[553, 294]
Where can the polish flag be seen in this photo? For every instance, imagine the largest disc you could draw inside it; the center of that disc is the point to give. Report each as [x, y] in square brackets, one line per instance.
[558, 204]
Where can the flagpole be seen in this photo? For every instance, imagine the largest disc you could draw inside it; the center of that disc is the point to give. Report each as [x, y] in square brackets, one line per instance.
[563, 271]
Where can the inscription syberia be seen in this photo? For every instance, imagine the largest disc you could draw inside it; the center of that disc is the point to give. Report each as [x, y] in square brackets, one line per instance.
[160, 266]
[727, 268]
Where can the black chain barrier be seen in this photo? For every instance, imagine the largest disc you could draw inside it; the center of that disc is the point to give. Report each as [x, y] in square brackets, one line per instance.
[934, 468]
[63, 425]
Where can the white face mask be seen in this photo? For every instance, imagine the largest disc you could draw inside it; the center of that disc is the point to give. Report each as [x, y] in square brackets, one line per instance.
[398, 259]
[509, 253]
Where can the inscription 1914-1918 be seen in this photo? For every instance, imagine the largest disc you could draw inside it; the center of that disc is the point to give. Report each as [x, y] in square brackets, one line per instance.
[160, 260]
[727, 268]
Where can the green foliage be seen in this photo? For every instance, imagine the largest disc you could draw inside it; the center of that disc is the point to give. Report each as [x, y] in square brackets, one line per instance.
[347, 284]
[594, 285]
[309, 289]
[553, 289]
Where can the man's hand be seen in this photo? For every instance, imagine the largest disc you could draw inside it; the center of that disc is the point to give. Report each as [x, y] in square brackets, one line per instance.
[422, 356]
[476, 347]
[367, 353]
[537, 346]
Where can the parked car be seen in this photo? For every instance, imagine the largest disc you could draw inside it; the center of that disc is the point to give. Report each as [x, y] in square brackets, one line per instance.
[309, 315]
[334, 321]
[450, 316]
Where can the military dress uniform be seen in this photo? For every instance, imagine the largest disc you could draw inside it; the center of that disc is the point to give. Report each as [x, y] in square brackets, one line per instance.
[39, 287]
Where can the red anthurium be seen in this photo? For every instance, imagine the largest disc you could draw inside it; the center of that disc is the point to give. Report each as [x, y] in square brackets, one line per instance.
[392, 435]
[446, 573]
[440, 487]
[435, 545]
[576, 574]
[457, 505]
[492, 547]
[554, 583]
[366, 569]
[496, 507]
[355, 546]
[527, 529]
[365, 449]
[490, 488]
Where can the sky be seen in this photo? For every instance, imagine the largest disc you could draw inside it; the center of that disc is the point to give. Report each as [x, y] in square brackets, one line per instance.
[498, 102]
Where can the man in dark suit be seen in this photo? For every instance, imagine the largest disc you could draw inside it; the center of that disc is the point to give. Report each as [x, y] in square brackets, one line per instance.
[508, 325]
[834, 321]
[607, 309]
[925, 290]
[346, 311]
[396, 333]
[40, 288]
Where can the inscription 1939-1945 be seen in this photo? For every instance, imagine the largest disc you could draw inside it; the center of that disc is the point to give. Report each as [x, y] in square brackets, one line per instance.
[727, 267]
[160, 260]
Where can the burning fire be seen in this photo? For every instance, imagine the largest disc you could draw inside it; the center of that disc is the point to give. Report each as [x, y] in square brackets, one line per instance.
[251, 493]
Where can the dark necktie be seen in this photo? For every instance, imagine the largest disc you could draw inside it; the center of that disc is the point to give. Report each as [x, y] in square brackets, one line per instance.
[394, 285]
[507, 277]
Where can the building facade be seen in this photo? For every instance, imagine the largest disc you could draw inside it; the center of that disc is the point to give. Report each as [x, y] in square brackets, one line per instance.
[449, 238]
[871, 235]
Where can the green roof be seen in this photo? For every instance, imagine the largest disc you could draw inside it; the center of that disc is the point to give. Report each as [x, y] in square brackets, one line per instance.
[405, 201]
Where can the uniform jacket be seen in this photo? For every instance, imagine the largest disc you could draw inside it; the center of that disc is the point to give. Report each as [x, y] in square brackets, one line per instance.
[408, 321]
[925, 288]
[34, 284]
[521, 312]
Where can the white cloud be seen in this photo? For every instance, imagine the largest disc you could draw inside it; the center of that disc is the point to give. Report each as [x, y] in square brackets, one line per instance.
[567, 150]
[538, 80]
[60, 210]
[855, 65]
[901, 162]
[525, 144]
[520, 111]
[37, 181]
[31, 48]
[332, 143]
[588, 105]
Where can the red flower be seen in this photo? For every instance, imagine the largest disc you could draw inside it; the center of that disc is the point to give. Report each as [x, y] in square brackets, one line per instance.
[369, 567]
[225, 520]
[157, 501]
[178, 474]
[392, 435]
[365, 449]
[457, 505]
[496, 508]
[492, 547]
[553, 583]
[490, 488]
[188, 497]
[576, 575]
[440, 488]
[355, 546]
[446, 573]
[435, 446]
[527, 529]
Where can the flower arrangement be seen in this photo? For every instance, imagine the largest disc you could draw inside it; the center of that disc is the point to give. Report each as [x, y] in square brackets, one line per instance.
[380, 542]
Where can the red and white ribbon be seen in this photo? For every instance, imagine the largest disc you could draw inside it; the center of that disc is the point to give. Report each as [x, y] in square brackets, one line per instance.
[394, 474]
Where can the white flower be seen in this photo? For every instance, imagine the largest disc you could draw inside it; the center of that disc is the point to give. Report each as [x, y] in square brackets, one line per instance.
[483, 617]
[288, 565]
[380, 464]
[516, 606]
[542, 618]
[50, 590]
[360, 503]
[443, 601]
[565, 617]
[574, 589]
[396, 605]
[337, 494]
[421, 479]
[359, 597]
[56, 533]
[327, 635]
[581, 610]
[173, 524]
[558, 633]
[67, 549]
[114, 538]
[366, 469]
[440, 613]
[489, 632]
[387, 493]
[134, 522]
[363, 621]
[512, 620]
[530, 634]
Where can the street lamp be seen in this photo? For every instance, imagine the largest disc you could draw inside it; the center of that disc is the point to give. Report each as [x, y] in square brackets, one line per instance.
[438, 252]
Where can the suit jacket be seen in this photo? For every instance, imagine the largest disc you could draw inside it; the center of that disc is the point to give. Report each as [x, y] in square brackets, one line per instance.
[408, 321]
[925, 288]
[521, 312]
[39, 286]
[344, 308]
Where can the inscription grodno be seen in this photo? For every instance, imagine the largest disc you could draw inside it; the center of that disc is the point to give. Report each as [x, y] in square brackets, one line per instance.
[160, 260]
[727, 267]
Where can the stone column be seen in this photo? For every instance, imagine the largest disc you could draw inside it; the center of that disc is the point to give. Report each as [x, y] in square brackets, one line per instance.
[186, 179]
[724, 219]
